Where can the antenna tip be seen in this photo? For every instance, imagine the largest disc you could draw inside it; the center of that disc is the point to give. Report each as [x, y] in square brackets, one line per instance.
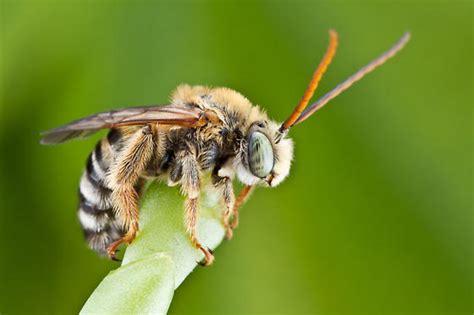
[332, 33]
[406, 36]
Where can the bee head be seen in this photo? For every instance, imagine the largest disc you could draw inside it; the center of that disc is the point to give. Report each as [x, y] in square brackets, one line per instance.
[266, 152]
[265, 155]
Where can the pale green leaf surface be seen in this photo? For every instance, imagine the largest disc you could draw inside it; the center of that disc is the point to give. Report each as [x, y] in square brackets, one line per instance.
[142, 287]
[161, 256]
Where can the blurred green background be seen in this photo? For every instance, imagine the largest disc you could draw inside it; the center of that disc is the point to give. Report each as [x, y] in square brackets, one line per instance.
[376, 216]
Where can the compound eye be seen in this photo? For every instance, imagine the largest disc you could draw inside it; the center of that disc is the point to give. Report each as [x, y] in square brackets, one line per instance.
[260, 152]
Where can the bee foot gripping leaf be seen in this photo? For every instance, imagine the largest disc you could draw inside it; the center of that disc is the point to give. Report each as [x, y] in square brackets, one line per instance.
[161, 256]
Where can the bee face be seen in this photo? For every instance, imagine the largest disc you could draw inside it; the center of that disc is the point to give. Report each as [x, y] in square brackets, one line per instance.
[266, 155]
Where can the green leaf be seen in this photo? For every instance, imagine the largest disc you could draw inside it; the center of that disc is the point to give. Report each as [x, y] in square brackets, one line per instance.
[161, 256]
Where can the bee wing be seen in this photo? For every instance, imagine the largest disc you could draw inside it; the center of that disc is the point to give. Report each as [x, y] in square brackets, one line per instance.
[166, 115]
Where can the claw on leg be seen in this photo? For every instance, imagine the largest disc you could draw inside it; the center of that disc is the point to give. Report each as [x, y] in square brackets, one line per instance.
[208, 257]
[112, 250]
[229, 233]
[227, 226]
[235, 219]
[127, 238]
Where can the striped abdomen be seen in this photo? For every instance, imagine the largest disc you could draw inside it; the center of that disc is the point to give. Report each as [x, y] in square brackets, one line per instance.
[100, 225]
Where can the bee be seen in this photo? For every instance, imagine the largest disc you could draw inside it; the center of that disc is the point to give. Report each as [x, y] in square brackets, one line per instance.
[214, 132]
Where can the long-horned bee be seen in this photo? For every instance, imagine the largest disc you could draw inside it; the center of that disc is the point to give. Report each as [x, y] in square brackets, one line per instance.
[204, 130]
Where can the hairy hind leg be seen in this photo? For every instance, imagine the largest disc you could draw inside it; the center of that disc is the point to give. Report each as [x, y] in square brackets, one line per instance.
[124, 175]
[187, 170]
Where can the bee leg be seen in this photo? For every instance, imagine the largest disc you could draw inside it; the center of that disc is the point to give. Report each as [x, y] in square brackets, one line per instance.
[224, 184]
[124, 175]
[191, 206]
[190, 185]
[243, 196]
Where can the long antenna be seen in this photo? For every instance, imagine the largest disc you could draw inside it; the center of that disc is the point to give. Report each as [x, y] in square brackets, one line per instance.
[354, 78]
[313, 84]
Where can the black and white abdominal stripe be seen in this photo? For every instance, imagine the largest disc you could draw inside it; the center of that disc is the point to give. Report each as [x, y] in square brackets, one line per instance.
[97, 218]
